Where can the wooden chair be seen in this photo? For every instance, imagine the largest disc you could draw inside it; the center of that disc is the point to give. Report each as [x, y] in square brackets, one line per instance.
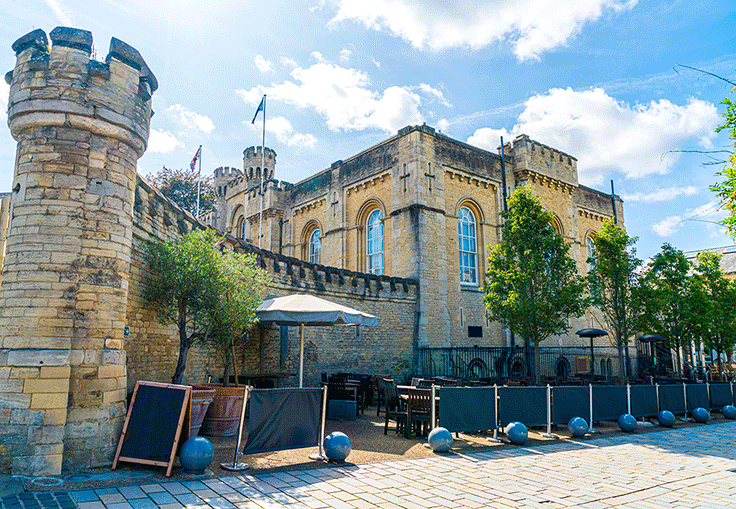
[379, 395]
[395, 408]
[419, 409]
[426, 382]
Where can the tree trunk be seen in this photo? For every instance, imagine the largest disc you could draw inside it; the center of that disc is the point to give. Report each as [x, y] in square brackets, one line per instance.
[621, 363]
[537, 365]
[184, 344]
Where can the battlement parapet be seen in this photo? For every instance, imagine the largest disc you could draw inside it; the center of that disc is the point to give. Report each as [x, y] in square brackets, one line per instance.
[254, 158]
[530, 155]
[61, 85]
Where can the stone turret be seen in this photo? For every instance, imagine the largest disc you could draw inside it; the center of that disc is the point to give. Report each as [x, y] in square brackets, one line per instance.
[253, 158]
[80, 125]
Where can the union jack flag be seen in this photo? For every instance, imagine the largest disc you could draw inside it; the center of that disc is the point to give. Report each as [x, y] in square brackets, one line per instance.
[193, 164]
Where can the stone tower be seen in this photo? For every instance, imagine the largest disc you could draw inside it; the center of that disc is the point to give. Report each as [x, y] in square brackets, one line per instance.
[252, 160]
[80, 125]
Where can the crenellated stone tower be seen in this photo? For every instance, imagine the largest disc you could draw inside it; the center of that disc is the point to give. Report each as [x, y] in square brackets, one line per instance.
[80, 125]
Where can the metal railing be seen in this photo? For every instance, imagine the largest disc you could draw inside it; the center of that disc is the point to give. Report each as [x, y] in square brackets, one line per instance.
[507, 362]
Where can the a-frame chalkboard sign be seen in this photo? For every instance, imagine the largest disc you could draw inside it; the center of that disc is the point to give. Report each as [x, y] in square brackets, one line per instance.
[153, 426]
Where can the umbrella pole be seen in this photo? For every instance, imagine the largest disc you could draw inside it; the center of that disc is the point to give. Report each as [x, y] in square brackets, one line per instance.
[236, 466]
[301, 356]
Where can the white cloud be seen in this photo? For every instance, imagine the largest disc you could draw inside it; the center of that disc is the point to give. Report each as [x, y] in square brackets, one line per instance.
[345, 54]
[377, 63]
[190, 119]
[317, 56]
[288, 62]
[709, 214]
[284, 132]
[343, 97]
[667, 194]
[605, 134]
[531, 27]
[262, 64]
[668, 226]
[162, 142]
[433, 92]
[61, 13]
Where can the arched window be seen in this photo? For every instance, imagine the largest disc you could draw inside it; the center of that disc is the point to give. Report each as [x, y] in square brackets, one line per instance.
[315, 247]
[590, 245]
[468, 247]
[374, 244]
[241, 228]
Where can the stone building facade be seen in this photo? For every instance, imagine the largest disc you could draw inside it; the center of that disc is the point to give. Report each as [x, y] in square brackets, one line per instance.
[418, 205]
[377, 232]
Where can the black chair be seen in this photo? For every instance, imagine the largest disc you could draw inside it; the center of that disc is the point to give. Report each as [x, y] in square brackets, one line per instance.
[395, 408]
[379, 396]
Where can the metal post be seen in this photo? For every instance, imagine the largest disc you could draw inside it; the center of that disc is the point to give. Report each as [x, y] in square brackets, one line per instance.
[659, 408]
[549, 433]
[320, 455]
[433, 413]
[590, 423]
[235, 466]
[684, 394]
[301, 356]
[628, 398]
[495, 410]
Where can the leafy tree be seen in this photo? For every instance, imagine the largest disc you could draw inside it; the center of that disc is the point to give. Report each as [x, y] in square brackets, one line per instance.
[667, 311]
[241, 287]
[180, 186]
[614, 284]
[532, 284]
[726, 190]
[713, 298]
[198, 288]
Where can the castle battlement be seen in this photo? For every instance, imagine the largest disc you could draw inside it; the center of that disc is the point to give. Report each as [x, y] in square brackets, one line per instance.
[67, 87]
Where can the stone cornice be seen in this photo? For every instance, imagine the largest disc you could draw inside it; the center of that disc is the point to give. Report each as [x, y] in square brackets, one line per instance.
[469, 178]
[545, 180]
[368, 182]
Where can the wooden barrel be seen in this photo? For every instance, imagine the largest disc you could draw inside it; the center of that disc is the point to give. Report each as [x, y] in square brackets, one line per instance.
[201, 400]
[223, 415]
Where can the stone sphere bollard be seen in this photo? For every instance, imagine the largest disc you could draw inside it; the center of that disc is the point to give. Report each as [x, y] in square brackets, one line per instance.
[700, 414]
[666, 418]
[440, 440]
[517, 433]
[578, 426]
[196, 454]
[627, 422]
[729, 412]
[337, 446]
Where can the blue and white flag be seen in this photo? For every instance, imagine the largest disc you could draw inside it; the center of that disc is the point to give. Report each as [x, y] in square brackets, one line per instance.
[260, 108]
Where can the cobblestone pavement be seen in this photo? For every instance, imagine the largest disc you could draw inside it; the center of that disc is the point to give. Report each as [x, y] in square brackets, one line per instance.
[690, 467]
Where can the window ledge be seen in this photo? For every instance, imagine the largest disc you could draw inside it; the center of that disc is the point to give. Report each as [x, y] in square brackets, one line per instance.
[464, 287]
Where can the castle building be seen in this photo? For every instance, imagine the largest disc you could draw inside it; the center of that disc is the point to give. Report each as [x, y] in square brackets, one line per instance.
[417, 205]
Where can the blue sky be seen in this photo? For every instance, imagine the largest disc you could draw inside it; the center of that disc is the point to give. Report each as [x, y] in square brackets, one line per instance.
[593, 78]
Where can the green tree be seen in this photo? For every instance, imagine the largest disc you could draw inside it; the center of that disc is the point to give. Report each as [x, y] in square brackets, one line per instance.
[195, 286]
[614, 284]
[532, 284]
[241, 287]
[180, 186]
[713, 299]
[667, 311]
[726, 189]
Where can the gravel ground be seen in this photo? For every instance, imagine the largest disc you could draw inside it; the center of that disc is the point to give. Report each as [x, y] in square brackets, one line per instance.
[369, 445]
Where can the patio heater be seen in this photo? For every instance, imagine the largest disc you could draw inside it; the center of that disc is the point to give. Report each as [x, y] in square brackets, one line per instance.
[592, 334]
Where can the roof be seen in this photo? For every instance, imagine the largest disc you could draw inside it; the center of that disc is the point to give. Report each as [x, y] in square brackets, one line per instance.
[728, 257]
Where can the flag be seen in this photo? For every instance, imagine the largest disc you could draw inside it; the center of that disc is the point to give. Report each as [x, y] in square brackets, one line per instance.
[260, 108]
[193, 164]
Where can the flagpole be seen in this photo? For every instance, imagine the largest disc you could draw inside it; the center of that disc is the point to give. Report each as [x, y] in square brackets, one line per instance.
[263, 172]
[199, 178]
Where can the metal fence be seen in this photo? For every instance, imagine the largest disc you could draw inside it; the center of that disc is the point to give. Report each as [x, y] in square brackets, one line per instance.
[507, 362]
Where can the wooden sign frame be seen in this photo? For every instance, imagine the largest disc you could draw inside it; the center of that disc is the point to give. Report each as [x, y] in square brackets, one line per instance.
[177, 433]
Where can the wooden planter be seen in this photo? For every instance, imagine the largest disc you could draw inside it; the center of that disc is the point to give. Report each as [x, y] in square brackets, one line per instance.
[201, 400]
[223, 415]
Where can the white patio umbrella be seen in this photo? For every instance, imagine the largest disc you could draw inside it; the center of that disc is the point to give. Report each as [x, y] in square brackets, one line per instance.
[301, 309]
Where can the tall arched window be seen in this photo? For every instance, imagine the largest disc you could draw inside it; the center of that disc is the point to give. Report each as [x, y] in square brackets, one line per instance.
[315, 247]
[590, 245]
[241, 228]
[468, 247]
[374, 244]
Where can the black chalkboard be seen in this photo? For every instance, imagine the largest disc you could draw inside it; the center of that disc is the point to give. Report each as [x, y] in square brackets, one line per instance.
[153, 426]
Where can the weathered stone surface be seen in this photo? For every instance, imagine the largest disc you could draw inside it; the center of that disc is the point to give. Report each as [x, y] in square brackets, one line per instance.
[31, 357]
[36, 40]
[72, 38]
